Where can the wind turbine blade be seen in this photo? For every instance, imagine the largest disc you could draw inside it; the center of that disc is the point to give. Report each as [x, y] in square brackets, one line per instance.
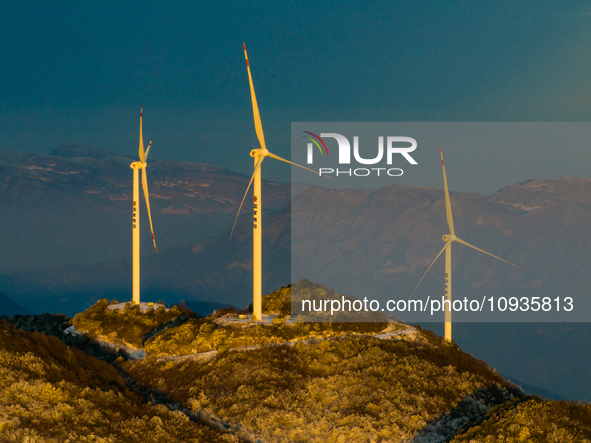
[440, 252]
[450, 221]
[261, 158]
[255, 107]
[141, 150]
[148, 150]
[276, 157]
[459, 240]
[145, 187]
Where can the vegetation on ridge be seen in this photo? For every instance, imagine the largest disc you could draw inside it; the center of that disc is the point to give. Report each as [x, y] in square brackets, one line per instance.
[222, 330]
[344, 389]
[532, 419]
[202, 335]
[127, 326]
[51, 392]
[56, 325]
[339, 386]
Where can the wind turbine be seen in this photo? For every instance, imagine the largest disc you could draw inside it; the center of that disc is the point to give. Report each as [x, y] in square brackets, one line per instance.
[136, 166]
[257, 214]
[449, 239]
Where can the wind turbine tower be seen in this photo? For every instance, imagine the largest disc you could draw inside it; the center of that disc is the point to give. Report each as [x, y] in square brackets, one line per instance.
[136, 166]
[257, 214]
[449, 239]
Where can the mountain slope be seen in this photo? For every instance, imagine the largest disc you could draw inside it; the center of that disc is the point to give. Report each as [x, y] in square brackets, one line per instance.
[52, 392]
[533, 420]
[344, 387]
[9, 307]
[348, 389]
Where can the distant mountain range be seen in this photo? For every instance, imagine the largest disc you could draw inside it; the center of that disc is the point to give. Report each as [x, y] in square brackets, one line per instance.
[72, 207]
[389, 237]
[355, 239]
[534, 390]
[215, 270]
[9, 307]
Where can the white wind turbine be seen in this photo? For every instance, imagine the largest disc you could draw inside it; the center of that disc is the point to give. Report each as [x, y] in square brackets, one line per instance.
[449, 239]
[136, 166]
[257, 215]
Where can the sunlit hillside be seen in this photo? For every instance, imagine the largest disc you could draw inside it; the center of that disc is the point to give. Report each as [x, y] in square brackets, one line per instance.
[222, 378]
[50, 392]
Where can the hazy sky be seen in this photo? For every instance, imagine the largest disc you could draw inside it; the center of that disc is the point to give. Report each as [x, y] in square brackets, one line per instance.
[79, 71]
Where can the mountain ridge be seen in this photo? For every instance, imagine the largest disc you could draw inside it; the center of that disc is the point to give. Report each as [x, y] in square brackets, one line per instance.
[344, 384]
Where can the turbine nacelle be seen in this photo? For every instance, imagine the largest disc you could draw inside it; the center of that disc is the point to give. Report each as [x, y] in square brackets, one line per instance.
[138, 165]
[259, 152]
